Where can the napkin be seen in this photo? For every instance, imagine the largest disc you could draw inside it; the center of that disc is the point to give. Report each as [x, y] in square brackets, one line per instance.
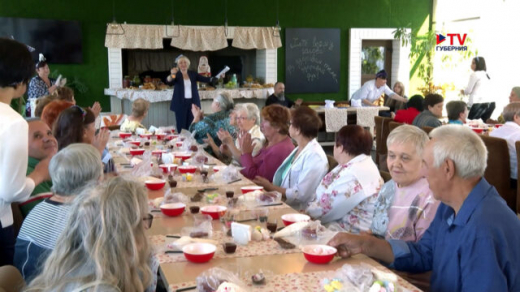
[291, 230]
[241, 233]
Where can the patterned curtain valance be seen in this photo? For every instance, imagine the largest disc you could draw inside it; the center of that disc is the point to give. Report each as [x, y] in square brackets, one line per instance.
[133, 36]
[259, 38]
[199, 38]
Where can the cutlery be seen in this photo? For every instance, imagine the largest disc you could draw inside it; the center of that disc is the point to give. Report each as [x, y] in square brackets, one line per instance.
[233, 181]
[186, 289]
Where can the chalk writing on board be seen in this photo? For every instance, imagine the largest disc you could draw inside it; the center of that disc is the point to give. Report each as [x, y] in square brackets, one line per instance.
[310, 62]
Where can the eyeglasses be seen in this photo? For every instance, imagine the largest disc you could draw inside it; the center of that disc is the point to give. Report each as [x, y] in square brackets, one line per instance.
[241, 118]
[148, 221]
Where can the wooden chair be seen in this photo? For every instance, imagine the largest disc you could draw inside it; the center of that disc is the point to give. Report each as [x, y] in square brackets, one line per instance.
[427, 129]
[385, 175]
[498, 171]
[517, 146]
[332, 162]
[382, 132]
[393, 125]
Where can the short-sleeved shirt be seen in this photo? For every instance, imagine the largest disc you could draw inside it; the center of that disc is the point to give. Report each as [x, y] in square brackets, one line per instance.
[38, 88]
[370, 92]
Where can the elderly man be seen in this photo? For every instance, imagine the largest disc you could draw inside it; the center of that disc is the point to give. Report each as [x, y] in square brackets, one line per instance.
[42, 144]
[510, 132]
[372, 90]
[278, 97]
[473, 242]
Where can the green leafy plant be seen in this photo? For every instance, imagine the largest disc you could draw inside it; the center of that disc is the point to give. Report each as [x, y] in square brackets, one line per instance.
[369, 63]
[422, 52]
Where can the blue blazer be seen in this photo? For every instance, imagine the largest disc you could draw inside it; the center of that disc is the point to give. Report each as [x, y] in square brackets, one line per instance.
[178, 101]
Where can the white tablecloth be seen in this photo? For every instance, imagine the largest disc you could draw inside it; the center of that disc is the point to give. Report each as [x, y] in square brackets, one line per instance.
[166, 95]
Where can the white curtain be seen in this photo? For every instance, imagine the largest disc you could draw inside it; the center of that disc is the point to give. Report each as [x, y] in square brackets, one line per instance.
[131, 36]
[259, 38]
[197, 39]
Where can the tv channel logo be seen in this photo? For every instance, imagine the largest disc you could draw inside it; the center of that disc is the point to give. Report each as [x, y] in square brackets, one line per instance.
[461, 38]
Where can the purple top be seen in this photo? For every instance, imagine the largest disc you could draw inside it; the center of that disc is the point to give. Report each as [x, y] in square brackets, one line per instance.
[275, 155]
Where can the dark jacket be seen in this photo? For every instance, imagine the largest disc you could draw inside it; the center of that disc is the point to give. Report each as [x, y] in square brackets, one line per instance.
[182, 106]
[272, 99]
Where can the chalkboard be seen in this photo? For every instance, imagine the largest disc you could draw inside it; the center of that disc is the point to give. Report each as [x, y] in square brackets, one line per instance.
[312, 60]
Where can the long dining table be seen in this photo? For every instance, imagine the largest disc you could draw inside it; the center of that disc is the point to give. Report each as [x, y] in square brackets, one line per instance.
[285, 270]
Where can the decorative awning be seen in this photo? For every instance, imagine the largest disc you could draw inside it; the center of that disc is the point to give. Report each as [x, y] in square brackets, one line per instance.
[192, 38]
[199, 38]
[259, 38]
[132, 36]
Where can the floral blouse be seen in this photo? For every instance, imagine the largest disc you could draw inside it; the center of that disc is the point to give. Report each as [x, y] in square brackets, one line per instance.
[404, 213]
[338, 194]
[210, 125]
[38, 88]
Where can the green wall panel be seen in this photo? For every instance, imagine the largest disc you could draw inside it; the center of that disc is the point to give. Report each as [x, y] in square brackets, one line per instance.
[94, 15]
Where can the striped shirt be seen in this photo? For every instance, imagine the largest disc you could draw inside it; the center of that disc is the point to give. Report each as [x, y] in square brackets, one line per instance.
[45, 223]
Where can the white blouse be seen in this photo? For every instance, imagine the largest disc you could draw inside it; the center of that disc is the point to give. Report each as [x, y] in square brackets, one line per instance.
[478, 88]
[187, 88]
[14, 154]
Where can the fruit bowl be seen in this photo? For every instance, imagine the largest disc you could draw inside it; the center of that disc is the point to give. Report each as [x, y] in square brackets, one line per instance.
[289, 219]
[214, 211]
[248, 189]
[187, 169]
[135, 152]
[155, 185]
[199, 252]
[174, 209]
[319, 254]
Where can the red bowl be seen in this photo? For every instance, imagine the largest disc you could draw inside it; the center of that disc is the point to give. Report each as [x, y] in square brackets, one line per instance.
[182, 155]
[137, 151]
[169, 137]
[478, 130]
[214, 211]
[147, 136]
[248, 189]
[136, 143]
[289, 219]
[168, 167]
[187, 169]
[178, 144]
[160, 136]
[174, 209]
[199, 252]
[319, 254]
[158, 152]
[218, 168]
[498, 125]
[124, 135]
[155, 185]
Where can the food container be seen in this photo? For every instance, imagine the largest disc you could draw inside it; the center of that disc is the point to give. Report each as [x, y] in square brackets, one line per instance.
[289, 219]
[199, 252]
[248, 189]
[174, 209]
[155, 185]
[214, 211]
[319, 254]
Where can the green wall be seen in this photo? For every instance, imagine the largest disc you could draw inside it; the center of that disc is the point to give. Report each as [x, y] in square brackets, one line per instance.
[94, 15]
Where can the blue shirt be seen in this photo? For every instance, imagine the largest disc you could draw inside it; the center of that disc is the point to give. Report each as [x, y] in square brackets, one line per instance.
[477, 250]
[455, 122]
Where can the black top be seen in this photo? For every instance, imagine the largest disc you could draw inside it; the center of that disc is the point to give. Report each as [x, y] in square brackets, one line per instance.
[272, 99]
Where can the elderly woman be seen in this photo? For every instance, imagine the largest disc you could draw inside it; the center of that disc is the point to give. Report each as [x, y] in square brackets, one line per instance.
[433, 104]
[76, 125]
[104, 247]
[139, 112]
[71, 170]
[346, 196]
[405, 206]
[301, 172]
[41, 84]
[247, 121]
[275, 127]
[16, 67]
[185, 93]
[208, 126]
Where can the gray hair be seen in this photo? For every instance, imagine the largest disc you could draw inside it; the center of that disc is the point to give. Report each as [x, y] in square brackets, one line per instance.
[252, 111]
[184, 58]
[408, 134]
[510, 111]
[225, 101]
[461, 145]
[75, 167]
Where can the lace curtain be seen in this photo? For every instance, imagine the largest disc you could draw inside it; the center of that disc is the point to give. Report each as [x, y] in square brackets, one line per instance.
[131, 36]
